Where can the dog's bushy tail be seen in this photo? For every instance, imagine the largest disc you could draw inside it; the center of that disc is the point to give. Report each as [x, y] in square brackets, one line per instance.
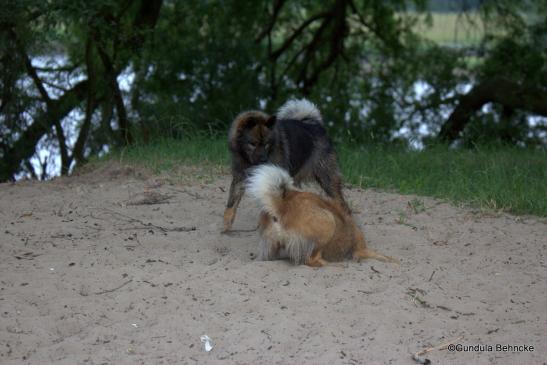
[367, 253]
[363, 252]
[268, 184]
[300, 109]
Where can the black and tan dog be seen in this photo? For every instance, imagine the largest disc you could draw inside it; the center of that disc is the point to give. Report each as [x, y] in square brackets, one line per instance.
[294, 139]
[303, 226]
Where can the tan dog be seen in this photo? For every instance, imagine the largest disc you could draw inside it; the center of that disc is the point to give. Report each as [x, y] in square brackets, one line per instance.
[303, 226]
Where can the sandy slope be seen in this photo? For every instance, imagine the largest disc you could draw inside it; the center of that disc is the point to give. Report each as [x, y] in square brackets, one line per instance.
[85, 280]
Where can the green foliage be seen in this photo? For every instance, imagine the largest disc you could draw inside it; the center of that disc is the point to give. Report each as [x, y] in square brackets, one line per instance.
[115, 72]
[519, 55]
[201, 67]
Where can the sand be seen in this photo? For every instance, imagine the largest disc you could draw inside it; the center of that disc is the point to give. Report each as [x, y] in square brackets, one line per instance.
[117, 266]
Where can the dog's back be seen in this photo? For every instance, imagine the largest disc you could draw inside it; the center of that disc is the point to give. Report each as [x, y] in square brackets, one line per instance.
[321, 221]
[300, 221]
[302, 140]
[302, 145]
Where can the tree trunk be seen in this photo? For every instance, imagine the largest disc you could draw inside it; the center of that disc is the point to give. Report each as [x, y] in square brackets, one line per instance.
[79, 146]
[509, 94]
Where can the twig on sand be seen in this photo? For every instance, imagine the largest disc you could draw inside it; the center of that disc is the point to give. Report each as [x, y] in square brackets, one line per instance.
[416, 357]
[151, 225]
[163, 229]
[444, 308]
[114, 289]
[27, 255]
[267, 334]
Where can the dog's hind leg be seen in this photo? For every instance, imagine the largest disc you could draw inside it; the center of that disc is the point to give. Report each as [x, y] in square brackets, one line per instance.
[331, 182]
[237, 188]
[315, 259]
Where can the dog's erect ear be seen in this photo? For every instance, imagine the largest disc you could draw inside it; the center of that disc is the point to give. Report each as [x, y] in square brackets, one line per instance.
[271, 121]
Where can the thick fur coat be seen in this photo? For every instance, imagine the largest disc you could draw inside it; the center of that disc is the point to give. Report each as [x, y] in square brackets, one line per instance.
[303, 226]
[294, 139]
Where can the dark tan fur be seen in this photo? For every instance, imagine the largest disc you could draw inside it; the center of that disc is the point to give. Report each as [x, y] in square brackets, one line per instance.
[248, 127]
[322, 228]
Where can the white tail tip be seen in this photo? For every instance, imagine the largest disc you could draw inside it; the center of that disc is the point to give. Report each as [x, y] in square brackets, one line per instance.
[299, 109]
[268, 182]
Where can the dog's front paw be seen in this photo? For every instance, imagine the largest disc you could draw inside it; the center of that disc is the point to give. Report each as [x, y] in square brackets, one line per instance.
[229, 215]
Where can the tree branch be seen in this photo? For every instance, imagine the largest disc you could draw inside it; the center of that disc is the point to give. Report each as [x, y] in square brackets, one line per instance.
[337, 36]
[65, 159]
[277, 53]
[30, 69]
[393, 43]
[311, 48]
[68, 68]
[51, 84]
[31, 170]
[278, 4]
[508, 93]
[25, 146]
[111, 74]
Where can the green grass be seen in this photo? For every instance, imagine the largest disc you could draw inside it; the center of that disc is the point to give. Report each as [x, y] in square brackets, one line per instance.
[497, 178]
[494, 178]
[168, 154]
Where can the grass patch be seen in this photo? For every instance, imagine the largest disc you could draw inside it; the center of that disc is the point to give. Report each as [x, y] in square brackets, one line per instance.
[207, 157]
[166, 154]
[498, 178]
